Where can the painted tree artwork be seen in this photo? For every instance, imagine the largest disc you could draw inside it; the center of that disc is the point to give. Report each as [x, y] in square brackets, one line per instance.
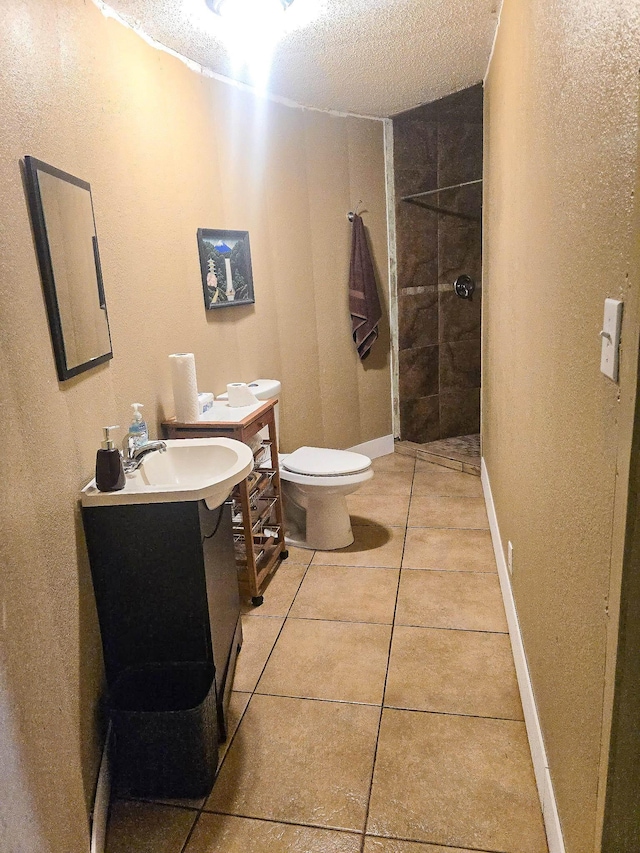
[225, 264]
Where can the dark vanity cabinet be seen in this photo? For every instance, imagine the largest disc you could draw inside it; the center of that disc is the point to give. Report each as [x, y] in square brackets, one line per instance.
[166, 591]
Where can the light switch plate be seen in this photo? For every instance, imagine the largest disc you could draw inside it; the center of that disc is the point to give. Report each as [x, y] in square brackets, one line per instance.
[610, 335]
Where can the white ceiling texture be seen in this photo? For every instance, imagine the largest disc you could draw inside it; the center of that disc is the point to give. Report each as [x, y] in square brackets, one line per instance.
[367, 57]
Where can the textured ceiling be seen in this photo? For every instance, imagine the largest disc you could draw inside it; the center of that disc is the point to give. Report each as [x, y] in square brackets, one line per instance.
[370, 57]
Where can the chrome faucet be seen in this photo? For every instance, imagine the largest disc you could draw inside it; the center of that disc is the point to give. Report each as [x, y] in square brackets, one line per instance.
[134, 456]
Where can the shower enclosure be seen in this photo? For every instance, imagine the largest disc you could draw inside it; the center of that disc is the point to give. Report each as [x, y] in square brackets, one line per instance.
[438, 189]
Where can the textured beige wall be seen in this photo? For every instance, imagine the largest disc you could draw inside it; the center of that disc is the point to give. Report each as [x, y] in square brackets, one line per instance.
[561, 114]
[166, 151]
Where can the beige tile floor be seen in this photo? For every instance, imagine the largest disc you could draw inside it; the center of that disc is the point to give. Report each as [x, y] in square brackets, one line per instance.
[375, 707]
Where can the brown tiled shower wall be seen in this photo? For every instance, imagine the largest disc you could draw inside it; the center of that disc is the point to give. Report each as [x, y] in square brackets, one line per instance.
[437, 145]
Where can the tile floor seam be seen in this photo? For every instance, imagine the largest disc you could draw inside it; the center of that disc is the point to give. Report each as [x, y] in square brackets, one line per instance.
[430, 496]
[453, 714]
[244, 711]
[320, 699]
[440, 527]
[342, 566]
[202, 807]
[457, 497]
[399, 625]
[229, 740]
[295, 595]
[348, 621]
[294, 618]
[439, 628]
[386, 676]
[150, 801]
[428, 844]
[191, 831]
[438, 713]
[288, 823]
[436, 569]
[445, 628]
[195, 813]
[456, 571]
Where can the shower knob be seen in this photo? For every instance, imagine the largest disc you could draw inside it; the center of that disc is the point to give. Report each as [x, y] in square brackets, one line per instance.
[464, 286]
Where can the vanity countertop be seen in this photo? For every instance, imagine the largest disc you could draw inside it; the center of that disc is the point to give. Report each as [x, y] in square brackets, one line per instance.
[190, 469]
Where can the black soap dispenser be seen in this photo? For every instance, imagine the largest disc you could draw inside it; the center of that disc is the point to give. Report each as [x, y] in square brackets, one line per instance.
[109, 470]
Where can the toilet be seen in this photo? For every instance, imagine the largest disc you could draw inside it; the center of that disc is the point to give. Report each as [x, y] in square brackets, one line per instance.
[315, 483]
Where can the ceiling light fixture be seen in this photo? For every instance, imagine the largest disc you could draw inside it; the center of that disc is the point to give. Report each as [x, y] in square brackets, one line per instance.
[228, 8]
[250, 31]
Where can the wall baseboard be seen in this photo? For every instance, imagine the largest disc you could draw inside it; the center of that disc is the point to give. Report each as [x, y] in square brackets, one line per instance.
[531, 719]
[376, 447]
[101, 801]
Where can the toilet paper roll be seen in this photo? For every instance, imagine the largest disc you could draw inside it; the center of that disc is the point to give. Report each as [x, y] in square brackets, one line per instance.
[185, 387]
[240, 395]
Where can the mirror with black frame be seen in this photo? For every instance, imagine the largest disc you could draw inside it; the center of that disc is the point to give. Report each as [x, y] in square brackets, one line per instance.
[65, 236]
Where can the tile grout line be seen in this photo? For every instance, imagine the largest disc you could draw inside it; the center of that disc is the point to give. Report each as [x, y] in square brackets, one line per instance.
[441, 713]
[428, 844]
[344, 621]
[452, 571]
[404, 568]
[445, 628]
[386, 676]
[389, 625]
[255, 689]
[255, 611]
[439, 628]
[323, 699]
[254, 692]
[183, 849]
[391, 707]
[363, 833]
[454, 714]
[289, 822]
[443, 527]
[395, 569]
[422, 526]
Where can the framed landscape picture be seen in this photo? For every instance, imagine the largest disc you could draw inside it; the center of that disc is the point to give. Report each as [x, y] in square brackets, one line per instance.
[225, 264]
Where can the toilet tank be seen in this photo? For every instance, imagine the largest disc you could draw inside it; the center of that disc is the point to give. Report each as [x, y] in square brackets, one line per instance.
[265, 389]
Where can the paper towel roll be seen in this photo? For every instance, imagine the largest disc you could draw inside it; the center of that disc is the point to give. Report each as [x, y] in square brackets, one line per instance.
[185, 387]
[240, 395]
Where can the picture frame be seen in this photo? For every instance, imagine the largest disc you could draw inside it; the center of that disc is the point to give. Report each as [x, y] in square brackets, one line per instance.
[225, 266]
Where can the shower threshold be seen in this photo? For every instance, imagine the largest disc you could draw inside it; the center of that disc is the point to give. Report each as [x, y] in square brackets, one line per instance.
[461, 453]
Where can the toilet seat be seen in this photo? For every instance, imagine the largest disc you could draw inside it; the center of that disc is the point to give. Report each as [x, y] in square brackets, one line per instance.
[323, 462]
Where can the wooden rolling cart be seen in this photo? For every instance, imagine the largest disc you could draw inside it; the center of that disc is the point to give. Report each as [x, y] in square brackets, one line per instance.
[258, 523]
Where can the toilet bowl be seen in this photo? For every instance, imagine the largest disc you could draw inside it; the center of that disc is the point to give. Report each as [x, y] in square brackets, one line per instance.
[315, 482]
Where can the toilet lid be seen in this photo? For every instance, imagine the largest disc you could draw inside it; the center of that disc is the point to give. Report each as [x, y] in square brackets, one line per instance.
[321, 462]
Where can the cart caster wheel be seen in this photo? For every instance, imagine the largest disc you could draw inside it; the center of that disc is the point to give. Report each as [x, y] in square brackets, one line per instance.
[257, 600]
[284, 555]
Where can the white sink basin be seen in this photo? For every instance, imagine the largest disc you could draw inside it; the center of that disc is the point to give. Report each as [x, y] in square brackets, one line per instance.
[190, 469]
